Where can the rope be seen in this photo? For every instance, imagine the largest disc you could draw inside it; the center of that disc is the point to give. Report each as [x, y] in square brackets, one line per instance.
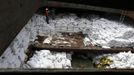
[122, 17]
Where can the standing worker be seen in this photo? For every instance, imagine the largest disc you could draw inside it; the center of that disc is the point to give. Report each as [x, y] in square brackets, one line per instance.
[46, 14]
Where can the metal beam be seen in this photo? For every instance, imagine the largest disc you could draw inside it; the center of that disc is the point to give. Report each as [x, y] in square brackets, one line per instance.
[81, 6]
[88, 7]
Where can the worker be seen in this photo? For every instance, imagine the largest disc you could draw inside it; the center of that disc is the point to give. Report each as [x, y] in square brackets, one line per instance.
[46, 14]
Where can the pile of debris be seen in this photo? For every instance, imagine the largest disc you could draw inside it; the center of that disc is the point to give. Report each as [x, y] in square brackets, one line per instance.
[64, 40]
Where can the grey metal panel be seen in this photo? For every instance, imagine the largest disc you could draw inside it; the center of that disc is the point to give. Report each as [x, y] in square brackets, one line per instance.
[14, 14]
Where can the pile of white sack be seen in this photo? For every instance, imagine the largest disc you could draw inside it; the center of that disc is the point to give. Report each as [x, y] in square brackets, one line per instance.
[109, 33]
[122, 60]
[47, 59]
[101, 31]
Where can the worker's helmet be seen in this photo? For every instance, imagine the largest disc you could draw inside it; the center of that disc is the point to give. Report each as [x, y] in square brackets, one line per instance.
[47, 9]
